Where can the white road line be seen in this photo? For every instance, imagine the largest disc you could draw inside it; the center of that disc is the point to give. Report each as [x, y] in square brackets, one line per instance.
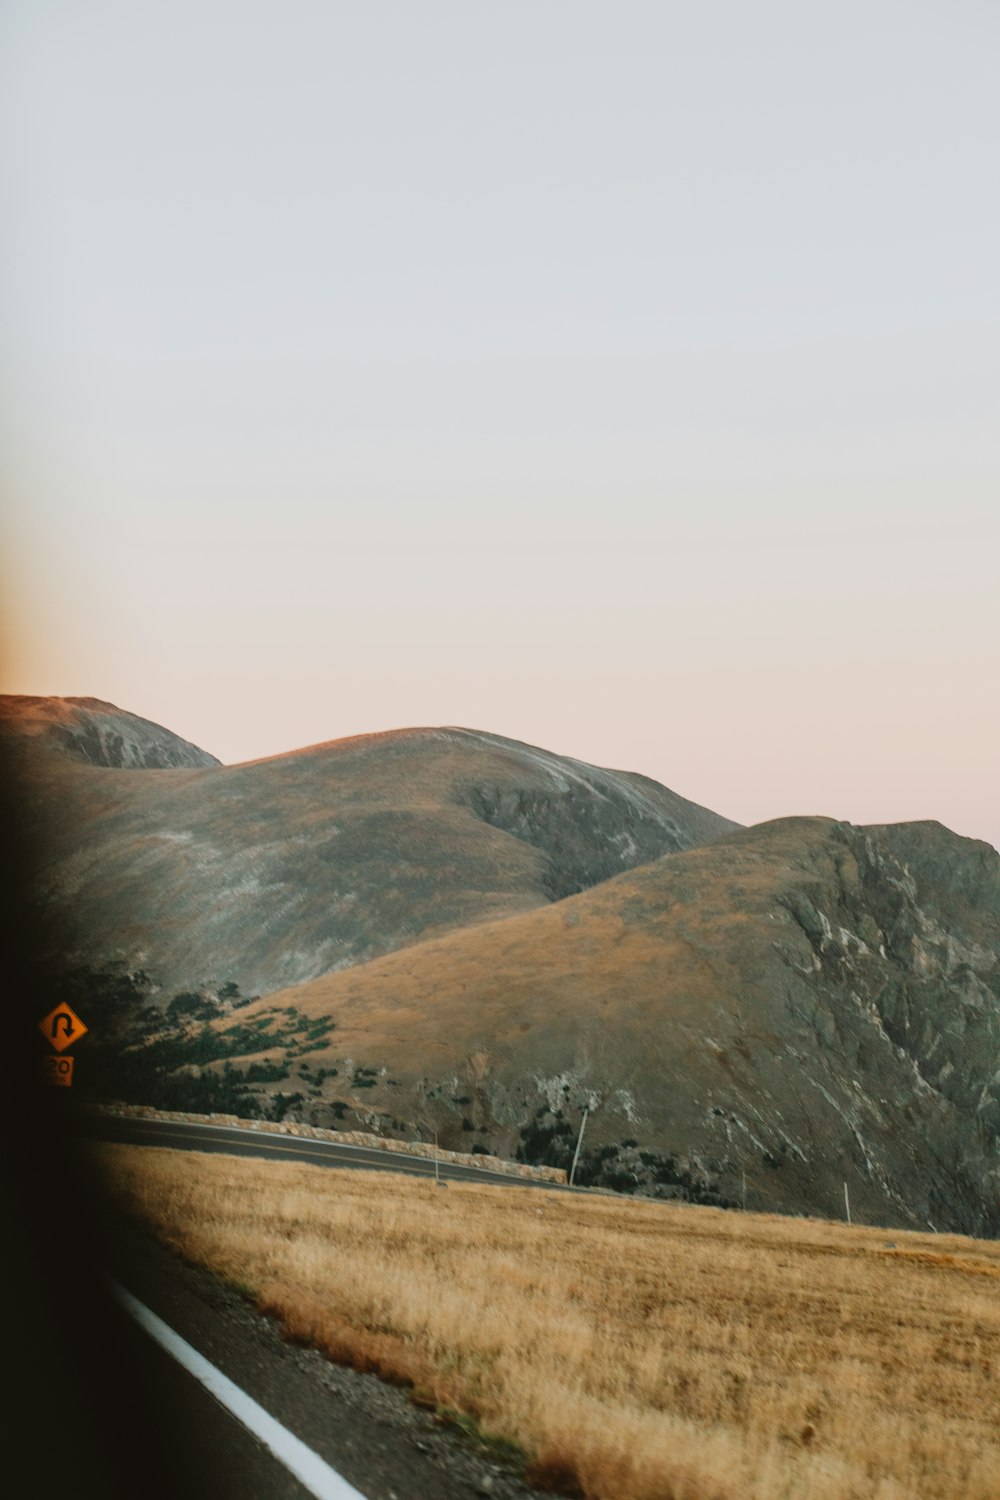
[311, 1470]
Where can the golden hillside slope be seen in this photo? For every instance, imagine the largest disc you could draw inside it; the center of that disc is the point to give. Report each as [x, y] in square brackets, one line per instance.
[797, 1005]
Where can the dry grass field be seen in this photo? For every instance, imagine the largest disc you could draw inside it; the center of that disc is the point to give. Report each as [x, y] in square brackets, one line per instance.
[633, 1350]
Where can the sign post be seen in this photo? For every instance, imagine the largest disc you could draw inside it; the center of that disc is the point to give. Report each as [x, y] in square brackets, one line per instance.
[61, 1028]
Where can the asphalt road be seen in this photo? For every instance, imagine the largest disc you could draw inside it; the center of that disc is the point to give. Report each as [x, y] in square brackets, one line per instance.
[234, 1141]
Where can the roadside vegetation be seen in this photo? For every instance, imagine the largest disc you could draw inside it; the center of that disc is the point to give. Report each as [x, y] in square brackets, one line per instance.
[549, 1140]
[631, 1350]
[188, 1052]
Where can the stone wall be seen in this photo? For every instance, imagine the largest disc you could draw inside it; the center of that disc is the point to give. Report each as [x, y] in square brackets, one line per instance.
[342, 1138]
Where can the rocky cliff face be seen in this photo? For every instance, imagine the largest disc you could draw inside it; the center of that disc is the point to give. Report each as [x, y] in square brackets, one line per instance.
[903, 988]
[591, 824]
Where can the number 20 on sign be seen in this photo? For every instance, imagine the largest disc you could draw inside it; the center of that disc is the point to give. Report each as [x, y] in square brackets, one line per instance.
[59, 1070]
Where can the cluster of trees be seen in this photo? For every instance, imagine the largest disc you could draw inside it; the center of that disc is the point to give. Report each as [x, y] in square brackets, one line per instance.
[549, 1140]
[141, 1050]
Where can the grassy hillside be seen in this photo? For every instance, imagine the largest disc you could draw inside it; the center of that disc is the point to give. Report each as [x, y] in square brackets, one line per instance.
[633, 1351]
[791, 1007]
[277, 871]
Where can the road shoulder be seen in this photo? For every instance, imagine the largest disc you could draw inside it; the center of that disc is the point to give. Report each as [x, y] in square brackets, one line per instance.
[367, 1430]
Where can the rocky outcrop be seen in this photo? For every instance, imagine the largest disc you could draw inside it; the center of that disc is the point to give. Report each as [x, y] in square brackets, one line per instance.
[97, 734]
[591, 824]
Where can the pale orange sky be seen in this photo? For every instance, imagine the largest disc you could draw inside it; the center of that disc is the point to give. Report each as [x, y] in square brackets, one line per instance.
[610, 378]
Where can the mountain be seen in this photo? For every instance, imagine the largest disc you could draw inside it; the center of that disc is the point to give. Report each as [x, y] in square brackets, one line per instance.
[280, 870]
[457, 935]
[794, 1006]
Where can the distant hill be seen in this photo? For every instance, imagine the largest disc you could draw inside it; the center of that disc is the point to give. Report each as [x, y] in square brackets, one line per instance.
[794, 1006]
[280, 870]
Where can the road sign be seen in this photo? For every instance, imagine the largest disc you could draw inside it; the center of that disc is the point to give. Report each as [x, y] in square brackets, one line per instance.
[62, 1027]
[59, 1070]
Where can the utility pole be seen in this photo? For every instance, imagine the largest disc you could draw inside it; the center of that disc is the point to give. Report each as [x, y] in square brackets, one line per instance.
[847, 1203]
[579, 1143]
[437, 1168]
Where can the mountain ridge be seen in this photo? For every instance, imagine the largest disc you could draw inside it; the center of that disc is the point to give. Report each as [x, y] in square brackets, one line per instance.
[278, 870]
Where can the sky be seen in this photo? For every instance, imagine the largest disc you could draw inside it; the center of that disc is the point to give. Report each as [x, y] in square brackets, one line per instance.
[619, 377]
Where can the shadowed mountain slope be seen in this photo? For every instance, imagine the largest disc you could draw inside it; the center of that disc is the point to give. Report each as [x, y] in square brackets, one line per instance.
[280, 870]
[795, 1006]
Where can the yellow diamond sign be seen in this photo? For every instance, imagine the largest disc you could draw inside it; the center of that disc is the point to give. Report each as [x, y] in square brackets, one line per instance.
[62, 1027]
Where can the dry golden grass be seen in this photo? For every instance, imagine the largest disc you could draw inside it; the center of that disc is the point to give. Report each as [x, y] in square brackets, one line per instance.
[635, 1351]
